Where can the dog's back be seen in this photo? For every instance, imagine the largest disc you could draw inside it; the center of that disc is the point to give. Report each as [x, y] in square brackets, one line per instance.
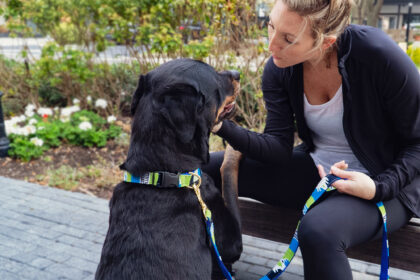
[155, 233]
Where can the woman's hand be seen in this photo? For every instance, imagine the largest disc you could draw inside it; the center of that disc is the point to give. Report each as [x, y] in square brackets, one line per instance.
[216, 127]
[357, 183]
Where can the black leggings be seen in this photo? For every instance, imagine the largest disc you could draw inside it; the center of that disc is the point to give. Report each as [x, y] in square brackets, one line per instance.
[336, 223]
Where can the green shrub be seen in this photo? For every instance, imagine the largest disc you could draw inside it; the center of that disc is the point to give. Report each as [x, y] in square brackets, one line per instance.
[414, 54]
[23, 148]
[32, 137]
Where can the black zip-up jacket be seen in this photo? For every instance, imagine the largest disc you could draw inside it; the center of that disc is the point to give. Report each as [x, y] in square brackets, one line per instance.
[381, 121]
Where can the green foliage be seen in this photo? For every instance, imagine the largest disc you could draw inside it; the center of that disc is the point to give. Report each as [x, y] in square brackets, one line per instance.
[216, 31]
[414, 54]
[49, 95]
[113, 131]
[55, 70]
[87, 138]
[21, 147]
[159, 26]
[84, 115]
[50, 132]
[53, 132]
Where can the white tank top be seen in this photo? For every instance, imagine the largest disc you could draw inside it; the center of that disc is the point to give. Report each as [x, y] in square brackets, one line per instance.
[326, 124]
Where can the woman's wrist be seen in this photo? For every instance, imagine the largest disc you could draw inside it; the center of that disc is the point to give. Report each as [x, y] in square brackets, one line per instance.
[217, 127]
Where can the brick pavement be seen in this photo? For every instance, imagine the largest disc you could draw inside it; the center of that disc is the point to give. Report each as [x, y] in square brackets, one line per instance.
[47, 233]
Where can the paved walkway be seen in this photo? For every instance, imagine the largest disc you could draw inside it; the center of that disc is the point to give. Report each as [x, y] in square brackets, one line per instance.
[47, 233]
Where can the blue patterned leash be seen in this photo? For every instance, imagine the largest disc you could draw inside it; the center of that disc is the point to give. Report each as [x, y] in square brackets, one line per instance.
[325, 186]
[210, 227]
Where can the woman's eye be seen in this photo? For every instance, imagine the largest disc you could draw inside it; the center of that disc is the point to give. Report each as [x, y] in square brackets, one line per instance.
[288, 40]
[270, 25]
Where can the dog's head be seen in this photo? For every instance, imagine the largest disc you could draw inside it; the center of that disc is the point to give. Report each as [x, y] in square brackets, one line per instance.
[175, 106]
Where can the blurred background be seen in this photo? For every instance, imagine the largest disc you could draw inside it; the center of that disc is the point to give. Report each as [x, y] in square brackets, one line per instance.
[68, 69]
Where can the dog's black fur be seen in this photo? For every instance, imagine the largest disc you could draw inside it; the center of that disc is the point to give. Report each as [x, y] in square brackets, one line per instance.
[160, 233]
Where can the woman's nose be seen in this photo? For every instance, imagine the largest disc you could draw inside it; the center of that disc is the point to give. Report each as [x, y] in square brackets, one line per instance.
[273, 44]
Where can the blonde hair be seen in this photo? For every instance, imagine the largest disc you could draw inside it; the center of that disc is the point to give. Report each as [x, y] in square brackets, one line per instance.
[326, 17]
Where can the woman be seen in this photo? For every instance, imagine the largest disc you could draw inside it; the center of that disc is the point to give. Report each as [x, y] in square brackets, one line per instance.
[355, 98]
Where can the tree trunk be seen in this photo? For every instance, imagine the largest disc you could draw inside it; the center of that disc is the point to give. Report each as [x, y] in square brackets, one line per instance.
[367, 11]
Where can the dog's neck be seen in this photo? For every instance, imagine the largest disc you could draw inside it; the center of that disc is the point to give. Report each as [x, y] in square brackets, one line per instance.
[161, 152]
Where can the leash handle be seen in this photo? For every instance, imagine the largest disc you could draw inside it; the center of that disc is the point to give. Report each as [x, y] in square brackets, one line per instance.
[324, 186]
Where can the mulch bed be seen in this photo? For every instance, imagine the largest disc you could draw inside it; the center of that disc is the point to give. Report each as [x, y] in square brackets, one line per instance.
[97, 168]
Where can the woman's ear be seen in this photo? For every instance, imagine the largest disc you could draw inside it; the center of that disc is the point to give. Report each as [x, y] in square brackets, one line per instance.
[328, 42]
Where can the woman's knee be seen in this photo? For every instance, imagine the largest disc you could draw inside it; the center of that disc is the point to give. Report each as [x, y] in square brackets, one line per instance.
[317, 234]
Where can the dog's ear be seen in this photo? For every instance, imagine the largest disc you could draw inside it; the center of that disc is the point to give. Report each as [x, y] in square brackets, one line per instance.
[141, 88]
[181, 106]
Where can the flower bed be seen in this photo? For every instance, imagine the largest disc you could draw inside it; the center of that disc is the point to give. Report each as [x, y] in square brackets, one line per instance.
[40, 129]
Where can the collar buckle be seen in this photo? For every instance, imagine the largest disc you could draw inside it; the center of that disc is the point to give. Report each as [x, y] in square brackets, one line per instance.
[169, 180]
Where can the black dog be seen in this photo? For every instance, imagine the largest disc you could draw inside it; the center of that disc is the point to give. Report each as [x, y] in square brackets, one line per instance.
[159, 233]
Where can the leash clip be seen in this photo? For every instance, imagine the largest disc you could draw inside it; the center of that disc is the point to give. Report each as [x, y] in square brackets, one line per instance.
[169, 179]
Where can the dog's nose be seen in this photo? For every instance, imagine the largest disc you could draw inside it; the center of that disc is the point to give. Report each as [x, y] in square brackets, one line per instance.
[235, 75]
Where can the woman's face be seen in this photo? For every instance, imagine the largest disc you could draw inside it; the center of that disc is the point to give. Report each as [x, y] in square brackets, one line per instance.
[285, 44]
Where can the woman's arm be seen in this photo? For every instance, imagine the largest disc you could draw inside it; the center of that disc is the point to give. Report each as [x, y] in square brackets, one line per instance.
[276, 143]
[400, 93]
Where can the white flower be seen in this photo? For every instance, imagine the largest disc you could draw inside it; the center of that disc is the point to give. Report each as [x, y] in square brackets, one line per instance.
[66, 112]
[89, 99]
[76, 101]
[85, 125]
[29, 129]
[101, 103]
[123, 93]
[29, 114]
[64, 119]
[111, 119]
[10, 127]
[21, 118]
[45, 111]
[29, 110]
[30, 107]
[36, 141]
[32, 121]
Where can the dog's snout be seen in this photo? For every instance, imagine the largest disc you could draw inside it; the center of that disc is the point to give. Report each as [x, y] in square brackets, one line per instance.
[235, 75]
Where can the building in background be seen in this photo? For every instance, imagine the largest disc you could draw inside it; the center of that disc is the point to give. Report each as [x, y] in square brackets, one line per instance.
[394, 14]
[393, 19]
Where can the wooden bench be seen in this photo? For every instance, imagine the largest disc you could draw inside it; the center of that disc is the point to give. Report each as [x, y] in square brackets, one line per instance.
[279, 224]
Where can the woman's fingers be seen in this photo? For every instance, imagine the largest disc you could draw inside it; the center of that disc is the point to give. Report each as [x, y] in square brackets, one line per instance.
[341, 173]
[342, 185]
[321, 171]
[356, 183]
[341, 164]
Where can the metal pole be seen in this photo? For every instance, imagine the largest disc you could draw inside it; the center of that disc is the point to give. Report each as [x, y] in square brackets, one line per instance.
[4, 142]
[407, 34]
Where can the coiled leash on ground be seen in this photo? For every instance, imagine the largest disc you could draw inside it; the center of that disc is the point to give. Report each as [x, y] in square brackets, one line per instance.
[325, 186]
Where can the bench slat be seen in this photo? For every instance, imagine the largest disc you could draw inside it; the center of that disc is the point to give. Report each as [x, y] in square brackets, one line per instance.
[278, 224]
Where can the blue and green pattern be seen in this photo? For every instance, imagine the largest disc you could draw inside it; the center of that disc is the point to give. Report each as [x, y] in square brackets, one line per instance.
[210, 233]
[325, 186]
[156, 178]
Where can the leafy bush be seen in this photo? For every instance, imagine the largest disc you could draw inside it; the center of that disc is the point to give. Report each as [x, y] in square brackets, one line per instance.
[414, 54]
[226, 35]
[22, 147]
